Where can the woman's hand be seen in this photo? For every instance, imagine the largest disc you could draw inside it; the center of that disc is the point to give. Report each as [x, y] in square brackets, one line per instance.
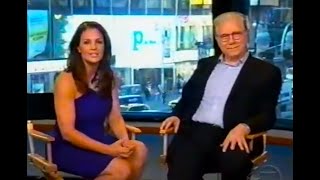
[121, 148]
[128, 144]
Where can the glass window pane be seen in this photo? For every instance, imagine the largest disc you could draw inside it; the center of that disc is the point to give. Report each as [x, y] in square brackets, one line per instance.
[119, 7]
[38, 35]
[153, 58]
[195, 33]
[169, 7]
[150, 66]
[272, 40]
[138, 7]
[42, 74]
[201, 7]
[183, 7]
[81, 6]
[38, 4]
[59, 28]
[61, 6]
[60, 10]
[102, 7]
[40, 83]
[154, 7]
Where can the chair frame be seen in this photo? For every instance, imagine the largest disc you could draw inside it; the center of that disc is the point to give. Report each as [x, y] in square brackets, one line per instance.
[258, 161]
[45, 164]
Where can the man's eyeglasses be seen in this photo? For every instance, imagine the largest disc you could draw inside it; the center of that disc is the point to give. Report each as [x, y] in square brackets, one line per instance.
[235, 36]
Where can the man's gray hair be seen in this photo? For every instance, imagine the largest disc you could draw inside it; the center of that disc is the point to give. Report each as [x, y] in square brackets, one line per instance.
[231, 15]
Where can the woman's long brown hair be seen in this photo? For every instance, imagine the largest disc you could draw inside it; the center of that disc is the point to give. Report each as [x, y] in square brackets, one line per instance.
[104, 76]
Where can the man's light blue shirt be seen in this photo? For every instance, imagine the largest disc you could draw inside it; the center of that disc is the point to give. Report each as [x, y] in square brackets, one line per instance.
[216, 92]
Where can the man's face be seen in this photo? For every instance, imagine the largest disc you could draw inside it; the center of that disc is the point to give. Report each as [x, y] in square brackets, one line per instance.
[232, 38]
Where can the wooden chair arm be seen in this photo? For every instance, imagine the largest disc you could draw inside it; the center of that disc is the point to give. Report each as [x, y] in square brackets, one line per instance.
[49, 169]
[165, 133]
[170, 130]
[260, 159]
[41, 163]
[253, 136]
[41, 136]
[133, 129]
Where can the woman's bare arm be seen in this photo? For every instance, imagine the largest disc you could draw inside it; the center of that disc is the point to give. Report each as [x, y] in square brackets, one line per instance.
[116, 121]
[64, 96]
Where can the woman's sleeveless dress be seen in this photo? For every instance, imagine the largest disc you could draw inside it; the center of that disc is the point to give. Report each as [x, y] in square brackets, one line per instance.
[91, 111]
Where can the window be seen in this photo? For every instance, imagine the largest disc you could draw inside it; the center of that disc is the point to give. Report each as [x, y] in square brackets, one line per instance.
[102, 7]
[38, 4]
[120, 7]
[138, 7]
[161, 51]
[200, 7]
[169, 7]
[194, 33]
[183, 7]
[81, 6]
[151, 53]
[272, 40]
[61, 6]
[38, 35]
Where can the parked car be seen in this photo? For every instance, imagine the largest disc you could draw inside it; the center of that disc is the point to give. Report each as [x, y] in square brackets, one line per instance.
[134, 107]
[132, 89]
[130, 99]
[173, 103]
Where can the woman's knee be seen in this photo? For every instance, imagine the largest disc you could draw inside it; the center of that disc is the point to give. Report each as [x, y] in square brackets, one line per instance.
[141, 148]
[118, 169]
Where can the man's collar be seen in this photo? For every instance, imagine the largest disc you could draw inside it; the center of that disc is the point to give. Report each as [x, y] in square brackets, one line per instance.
[241, 61]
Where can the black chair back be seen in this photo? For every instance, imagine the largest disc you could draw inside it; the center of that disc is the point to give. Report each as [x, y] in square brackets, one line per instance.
[40, 106]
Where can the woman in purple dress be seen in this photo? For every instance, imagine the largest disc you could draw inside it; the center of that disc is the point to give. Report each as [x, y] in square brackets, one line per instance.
[86, 98]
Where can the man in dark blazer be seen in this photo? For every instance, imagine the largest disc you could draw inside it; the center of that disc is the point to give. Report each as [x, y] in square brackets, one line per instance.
[228, 97]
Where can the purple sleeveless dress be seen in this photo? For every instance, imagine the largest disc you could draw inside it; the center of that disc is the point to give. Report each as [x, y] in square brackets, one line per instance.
[91, 111]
